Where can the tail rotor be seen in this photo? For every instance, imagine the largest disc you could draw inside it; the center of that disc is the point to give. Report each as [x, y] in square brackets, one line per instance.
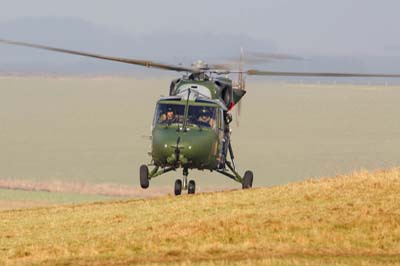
[241, 84]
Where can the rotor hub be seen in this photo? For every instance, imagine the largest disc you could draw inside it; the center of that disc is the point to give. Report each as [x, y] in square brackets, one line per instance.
[200, 64]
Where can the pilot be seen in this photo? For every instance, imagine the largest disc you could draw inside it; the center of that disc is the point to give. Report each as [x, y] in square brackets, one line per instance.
[169, 117]
[205, 118]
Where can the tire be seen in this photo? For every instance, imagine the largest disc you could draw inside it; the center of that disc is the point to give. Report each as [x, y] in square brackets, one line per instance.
[178, 187]
[144, 176]
[191, 187]
[247, 180]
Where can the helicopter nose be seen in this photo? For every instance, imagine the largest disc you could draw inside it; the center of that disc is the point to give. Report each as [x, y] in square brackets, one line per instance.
[186, 148]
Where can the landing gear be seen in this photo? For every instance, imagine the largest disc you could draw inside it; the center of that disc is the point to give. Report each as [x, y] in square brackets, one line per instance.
[247, 181]
[178, 187]
[191, 187]
[183, 184]
[184, 178]
[144, 176]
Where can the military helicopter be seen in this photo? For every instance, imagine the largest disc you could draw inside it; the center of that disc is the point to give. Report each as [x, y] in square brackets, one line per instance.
[191, 127]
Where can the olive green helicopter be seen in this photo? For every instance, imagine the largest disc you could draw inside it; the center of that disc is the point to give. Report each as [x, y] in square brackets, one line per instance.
[191, 127]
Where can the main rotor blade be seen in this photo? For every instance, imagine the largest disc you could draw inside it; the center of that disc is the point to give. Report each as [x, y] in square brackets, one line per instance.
[254, 58]
[260, 56]
[139, 62]
[254, 72]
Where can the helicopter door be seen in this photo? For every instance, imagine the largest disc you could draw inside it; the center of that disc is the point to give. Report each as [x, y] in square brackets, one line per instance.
[221, 136]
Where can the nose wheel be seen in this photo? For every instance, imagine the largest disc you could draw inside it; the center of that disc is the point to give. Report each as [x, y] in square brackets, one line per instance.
[178, 187]
[191, 187]
[184, 184]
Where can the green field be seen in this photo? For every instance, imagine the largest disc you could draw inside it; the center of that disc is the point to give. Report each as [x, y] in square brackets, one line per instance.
[347, 220]
[94, 130]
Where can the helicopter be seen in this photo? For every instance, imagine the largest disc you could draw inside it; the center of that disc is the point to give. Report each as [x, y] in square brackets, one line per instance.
[191, 126]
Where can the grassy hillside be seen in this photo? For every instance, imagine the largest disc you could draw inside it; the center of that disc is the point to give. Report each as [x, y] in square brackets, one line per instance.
[352, 219]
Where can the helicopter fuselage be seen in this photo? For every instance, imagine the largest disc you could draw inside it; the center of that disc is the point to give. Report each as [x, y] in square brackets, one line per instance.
[191, 130]
[186, 141]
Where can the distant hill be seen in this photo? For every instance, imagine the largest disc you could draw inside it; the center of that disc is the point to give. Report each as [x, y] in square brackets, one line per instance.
[173, 47]
[81, 35]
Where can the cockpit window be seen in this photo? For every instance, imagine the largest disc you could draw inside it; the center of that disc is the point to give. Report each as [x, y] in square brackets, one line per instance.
[201, 116]
[169, 114]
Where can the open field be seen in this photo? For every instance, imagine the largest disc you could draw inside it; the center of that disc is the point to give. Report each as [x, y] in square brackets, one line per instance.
[111, 190]
[347, 220]
[16, 199]
[94, 130]
[18, 193]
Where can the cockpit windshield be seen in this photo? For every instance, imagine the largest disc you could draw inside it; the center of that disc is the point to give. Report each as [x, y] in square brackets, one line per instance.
[169, 114]
[201, 116]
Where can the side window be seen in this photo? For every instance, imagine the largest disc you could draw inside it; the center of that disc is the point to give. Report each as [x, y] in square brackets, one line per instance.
[157, 113]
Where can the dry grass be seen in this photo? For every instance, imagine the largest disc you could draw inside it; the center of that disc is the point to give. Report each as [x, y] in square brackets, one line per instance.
[353, 219]
[19, 204]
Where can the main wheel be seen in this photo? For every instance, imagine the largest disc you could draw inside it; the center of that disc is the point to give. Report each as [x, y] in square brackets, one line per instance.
[144, 176]
[178, 187]
[191, 187]
[247, 180]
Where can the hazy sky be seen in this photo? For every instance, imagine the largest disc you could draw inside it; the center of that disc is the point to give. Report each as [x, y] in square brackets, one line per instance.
[306, 26]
